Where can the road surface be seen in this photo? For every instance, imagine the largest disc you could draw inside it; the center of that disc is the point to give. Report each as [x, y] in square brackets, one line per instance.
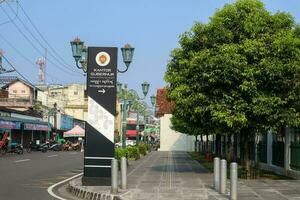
[28, 176]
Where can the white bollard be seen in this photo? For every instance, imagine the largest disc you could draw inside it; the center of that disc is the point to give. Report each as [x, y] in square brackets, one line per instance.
[217, 173]
[123, 173]
[114, 176]
[223, 176]
[233, 181]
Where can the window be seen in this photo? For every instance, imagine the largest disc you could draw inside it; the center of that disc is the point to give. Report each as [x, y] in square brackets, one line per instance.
[75, 92]
[23, 91]
[15, 91]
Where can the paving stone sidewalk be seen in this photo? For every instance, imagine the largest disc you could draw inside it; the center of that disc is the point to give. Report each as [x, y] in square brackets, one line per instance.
[174, 175]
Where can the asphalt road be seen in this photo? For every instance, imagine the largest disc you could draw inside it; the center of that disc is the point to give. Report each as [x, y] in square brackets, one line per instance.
[27, 176]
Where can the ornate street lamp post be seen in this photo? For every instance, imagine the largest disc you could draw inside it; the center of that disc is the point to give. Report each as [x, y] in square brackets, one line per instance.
[145, 88]
[80, 54]
[51, 112]
[153, 102]
[126, 104]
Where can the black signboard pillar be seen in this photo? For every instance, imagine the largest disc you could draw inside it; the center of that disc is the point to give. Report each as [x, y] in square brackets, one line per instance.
[99, 130]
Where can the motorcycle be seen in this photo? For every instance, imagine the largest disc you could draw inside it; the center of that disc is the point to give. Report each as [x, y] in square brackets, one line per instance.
[12, 148]
[55, 147]
[37, 147]
[75, 147]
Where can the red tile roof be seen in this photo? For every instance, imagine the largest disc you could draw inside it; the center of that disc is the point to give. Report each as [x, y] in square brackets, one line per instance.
[163, 105]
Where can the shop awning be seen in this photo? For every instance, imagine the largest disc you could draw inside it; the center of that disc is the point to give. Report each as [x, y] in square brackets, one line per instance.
[77, 131]
[14, 123]
[151, 130]
[9, 124]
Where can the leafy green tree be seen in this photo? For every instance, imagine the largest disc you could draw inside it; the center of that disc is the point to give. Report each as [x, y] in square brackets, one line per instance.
[239, 73]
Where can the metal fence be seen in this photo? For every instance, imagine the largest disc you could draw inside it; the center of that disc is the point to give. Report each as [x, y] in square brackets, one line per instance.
[262, 152]
[278, 153]
[295, 156]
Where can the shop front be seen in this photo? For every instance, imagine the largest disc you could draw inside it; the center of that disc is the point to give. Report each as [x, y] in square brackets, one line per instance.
[35, 132]
[22, 131]
[13, 127]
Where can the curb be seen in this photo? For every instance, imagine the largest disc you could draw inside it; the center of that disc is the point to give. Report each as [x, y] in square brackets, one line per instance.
[50, 189]
[92, 193]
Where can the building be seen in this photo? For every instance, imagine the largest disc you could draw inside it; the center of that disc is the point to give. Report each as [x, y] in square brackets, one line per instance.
[70, 99]
[23, 126]
[170, 140]
[19, 95]
[76, 103]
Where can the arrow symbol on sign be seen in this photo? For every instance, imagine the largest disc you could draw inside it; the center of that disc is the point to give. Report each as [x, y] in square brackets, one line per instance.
[102, 91]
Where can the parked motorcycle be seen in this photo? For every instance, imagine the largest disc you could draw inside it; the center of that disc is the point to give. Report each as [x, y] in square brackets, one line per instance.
[55, 147]
[75, 146]
[37, 147]
[12, 148]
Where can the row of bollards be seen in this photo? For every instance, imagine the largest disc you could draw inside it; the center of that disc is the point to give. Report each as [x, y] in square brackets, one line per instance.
[114, 175]
[220, 177]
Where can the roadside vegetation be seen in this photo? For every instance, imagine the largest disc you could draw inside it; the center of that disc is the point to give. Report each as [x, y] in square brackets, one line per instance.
[132, 152]
[236, 76]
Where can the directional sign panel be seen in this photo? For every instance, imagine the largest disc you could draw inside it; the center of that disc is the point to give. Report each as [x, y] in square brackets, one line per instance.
[101, 88]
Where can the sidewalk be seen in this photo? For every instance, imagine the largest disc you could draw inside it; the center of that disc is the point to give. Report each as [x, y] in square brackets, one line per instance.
[174, 175]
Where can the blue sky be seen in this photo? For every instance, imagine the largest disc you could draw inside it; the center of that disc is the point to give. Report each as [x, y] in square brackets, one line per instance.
[152, 27]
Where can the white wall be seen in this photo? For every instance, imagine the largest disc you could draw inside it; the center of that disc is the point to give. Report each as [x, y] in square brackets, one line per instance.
[171, 140]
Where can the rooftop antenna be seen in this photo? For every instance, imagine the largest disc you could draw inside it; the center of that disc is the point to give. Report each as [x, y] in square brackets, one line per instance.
[41, 62]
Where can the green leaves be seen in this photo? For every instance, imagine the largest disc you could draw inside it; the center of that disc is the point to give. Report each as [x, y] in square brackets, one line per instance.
[240, 71]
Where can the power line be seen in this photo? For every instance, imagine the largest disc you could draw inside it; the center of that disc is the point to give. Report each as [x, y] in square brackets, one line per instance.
[25, 57]
[37, 40]
[36, 49]
[13, 19]
[24, 78]
[41, 35]
[11, 65]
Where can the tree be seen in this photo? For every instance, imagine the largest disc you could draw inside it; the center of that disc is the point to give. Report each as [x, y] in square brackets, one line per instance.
[240, 73]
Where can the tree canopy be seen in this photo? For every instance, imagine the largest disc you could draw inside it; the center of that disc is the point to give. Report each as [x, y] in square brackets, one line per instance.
[240, 71]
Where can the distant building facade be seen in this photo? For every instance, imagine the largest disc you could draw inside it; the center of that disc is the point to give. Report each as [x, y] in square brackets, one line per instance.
[18, 95]
[70, 99]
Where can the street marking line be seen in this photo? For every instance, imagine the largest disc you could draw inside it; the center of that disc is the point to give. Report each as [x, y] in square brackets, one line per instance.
[50, 189]
[24, 160]
[51, 156]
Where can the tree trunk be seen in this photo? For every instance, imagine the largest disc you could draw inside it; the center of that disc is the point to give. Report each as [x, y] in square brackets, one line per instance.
[201, 143]
[196, 143]
[235, 145]
[206, 145]
[229, 152]
[245, 159]
[218, 145]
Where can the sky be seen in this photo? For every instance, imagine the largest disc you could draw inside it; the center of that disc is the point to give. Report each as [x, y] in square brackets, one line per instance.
[151, 27]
